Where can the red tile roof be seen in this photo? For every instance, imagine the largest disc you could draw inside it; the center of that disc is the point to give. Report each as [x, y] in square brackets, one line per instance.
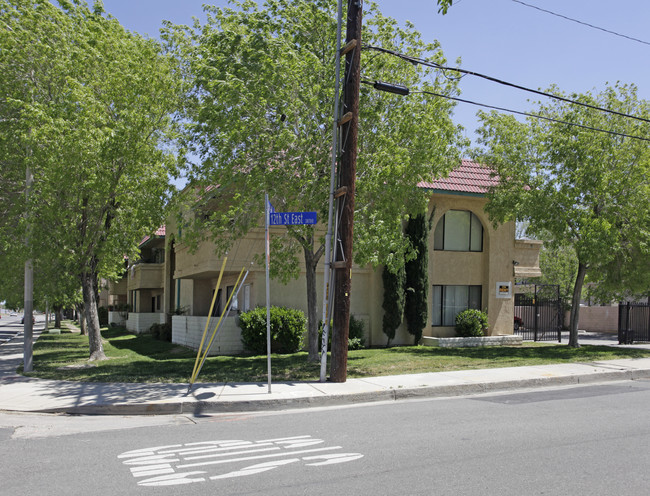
[469, 177]
[160, 232]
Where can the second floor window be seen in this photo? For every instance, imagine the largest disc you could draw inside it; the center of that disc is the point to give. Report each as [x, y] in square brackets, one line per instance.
[458, 230]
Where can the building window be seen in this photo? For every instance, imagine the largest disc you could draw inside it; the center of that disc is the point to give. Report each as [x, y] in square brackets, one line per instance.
[235, 301]
[449, 301]
[458, 230]
[216, 310]
[247, 298]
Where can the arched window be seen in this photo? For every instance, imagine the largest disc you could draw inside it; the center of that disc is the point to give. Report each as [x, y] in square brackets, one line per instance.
[458, 230]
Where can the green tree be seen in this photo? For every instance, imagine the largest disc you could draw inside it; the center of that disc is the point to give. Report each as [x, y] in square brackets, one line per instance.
[87, 107]
[417, 277]
[586, 189]
[559, 266]
[260, 118]
[626, 274]
[444, 5]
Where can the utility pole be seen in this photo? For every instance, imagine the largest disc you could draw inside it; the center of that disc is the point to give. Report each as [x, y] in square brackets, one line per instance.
[28, 321]
[347, 174]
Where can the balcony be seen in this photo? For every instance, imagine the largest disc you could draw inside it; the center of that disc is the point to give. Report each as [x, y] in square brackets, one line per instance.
[146, 276]
[526, 260]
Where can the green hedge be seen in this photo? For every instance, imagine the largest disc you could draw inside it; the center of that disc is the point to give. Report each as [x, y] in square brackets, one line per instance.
[471, 323]
[288, 327]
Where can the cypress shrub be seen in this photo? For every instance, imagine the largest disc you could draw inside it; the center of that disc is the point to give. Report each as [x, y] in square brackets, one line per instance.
[417, 277]
[393, 303]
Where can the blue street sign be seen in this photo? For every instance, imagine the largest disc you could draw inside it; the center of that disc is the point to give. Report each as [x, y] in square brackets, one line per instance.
[292, 218]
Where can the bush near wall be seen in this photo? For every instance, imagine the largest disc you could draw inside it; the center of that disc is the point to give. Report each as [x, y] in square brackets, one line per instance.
[163, 332]
[102, 313]
[471, 323]
[287, 329]
[356, 334]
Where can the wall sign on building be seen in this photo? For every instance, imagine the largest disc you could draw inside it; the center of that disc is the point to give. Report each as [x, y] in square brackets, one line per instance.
[504, 290]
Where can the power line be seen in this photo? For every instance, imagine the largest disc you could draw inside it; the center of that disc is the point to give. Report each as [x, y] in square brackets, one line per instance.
[582, 22]
[416, 60]
[518, 112]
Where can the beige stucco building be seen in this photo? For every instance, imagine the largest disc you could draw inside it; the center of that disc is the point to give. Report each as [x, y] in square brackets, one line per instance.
[471, 265]
[141, 288]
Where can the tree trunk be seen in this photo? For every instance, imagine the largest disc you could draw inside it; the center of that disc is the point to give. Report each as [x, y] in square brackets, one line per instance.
[47, 317]
[88, 285]
[575, 305]
[57, 316]
[311, 262]
[82, 319]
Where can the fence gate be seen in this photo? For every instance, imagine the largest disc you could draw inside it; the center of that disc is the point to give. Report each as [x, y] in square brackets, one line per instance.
[633, 322]
[538, 315]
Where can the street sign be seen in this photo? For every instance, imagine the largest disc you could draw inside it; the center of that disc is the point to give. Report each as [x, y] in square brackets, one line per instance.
[292, 218]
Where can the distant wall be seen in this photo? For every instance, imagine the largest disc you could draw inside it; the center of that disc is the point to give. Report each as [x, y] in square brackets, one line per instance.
[141, 322]
[116, 318]
[188, 331]
[597, 319]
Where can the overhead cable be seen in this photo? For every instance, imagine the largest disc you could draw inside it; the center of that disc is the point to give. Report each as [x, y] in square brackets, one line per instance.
[527, 114]
[416, 60]
[582, 22]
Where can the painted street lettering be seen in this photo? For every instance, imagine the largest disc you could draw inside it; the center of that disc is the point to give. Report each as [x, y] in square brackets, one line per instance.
[215, 460]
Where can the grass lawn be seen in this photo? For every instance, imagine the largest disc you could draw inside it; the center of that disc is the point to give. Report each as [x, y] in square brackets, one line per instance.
[140, 358]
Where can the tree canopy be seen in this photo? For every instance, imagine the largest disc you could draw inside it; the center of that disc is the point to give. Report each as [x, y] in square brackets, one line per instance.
[581, 187]
[87, 107]
[260, 120]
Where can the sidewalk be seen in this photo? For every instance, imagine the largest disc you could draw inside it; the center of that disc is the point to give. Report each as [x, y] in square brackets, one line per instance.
[18, 393]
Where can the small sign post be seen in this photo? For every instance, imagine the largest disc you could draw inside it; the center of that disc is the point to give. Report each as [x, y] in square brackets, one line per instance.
[268, 209]
[273, 218]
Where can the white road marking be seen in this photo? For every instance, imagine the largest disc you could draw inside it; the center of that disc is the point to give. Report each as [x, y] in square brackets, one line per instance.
[147, 451]
[151, 460]
[258, 457]
[230, 453]
[168, 465]
[331, 459]
[173, 479]
[255, 469]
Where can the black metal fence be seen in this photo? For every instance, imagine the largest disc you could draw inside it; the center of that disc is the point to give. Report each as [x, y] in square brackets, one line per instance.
[538, 315]
[633, 322]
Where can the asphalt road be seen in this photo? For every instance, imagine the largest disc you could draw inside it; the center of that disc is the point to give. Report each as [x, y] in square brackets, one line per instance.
[587, 440]
[9, 327]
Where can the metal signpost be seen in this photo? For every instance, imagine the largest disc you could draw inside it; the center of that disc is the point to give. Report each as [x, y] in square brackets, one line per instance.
[274, 218]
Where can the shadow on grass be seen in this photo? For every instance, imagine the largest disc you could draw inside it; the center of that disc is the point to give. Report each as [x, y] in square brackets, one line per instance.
[548, 352]
[141, 358]
[145, 345]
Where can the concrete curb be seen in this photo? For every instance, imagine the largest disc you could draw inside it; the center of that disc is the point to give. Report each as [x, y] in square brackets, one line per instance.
[194, 407]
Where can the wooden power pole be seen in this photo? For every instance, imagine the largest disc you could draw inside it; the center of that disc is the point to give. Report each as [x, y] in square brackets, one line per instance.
[347, 173]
